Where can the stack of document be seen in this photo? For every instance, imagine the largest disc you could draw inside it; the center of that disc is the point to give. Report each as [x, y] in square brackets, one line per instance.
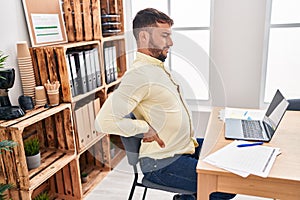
[239, 113]
[257, 160]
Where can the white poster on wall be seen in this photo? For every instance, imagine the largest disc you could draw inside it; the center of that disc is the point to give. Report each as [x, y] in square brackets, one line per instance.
[46, 28]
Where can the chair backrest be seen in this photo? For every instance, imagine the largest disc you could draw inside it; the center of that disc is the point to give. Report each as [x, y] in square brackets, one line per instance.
[132, 145]
[294, 104]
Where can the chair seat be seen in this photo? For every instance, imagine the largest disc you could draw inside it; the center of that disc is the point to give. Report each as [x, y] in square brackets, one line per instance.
[152, 185]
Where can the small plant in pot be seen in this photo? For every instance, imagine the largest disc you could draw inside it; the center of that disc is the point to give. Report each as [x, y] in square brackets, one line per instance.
[7, 74]
[32, 152]
[6, 145]
[42, 196]
[84, 177]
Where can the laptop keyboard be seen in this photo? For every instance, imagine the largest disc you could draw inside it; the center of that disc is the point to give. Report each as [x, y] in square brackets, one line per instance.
[252, 129]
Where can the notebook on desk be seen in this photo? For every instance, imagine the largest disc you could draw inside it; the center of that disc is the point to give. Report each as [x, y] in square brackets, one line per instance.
[258, 130]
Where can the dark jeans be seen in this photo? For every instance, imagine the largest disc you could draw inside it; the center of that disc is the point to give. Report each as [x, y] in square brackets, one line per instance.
[179, 172]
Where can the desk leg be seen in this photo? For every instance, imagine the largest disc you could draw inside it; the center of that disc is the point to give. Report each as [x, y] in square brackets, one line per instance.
[206, 185]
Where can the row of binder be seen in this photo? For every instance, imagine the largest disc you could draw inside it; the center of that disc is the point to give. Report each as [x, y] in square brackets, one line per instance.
[85, 117]
[84, 71]
[111, 69]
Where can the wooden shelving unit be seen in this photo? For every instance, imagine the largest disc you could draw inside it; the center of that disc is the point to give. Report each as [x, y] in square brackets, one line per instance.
[54, 128]
[70, 144]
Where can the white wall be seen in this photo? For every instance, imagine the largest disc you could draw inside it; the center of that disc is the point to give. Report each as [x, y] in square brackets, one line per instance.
[236, 49]
[13, 29]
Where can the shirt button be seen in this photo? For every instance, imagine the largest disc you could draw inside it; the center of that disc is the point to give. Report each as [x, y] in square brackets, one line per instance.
[155, 166]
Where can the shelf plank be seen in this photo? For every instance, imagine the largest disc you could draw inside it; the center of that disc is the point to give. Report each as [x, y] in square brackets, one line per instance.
[38, 116]
[96, 174]
[7, 123]
[82, 96]
[50, 170]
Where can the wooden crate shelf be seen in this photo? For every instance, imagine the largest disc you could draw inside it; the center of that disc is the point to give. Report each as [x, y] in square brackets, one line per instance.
[82, 19]
[94, 162]
[50, 63]
[54, 129]
[52, 162]
[84, 113]
[64, 184]
[81, 148]
[117, 147]
[112, 17]
[115, 50]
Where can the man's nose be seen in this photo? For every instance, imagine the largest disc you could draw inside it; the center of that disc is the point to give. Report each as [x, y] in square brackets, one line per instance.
[170, 42]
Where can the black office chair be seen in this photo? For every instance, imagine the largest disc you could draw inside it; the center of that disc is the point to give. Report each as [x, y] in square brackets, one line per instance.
[132, 147]
[294, 104]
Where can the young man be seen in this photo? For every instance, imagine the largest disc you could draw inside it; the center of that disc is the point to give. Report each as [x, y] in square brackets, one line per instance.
[169, 152]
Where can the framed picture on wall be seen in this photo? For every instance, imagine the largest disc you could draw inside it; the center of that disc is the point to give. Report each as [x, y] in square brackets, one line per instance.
[45, 22]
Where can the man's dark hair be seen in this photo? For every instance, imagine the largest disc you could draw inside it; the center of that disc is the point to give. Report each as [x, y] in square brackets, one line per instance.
[148, 18]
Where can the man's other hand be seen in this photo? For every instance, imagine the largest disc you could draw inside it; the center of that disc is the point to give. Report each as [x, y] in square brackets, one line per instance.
[151, 136]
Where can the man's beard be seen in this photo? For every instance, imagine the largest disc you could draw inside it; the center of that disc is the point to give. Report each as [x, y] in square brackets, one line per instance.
[156, 52]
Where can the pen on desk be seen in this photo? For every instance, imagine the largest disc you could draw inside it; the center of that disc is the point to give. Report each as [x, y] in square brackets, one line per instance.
[245, 113]
[250, 144]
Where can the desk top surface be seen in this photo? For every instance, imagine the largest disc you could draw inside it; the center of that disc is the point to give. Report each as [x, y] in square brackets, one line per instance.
[287, 138]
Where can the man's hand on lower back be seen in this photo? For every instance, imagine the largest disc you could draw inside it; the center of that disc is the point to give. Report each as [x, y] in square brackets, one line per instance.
[151, 136]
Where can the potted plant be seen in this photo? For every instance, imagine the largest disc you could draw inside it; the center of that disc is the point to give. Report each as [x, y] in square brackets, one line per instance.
[84, 177]
[5, 145]
[32, 152]
[4, 72]
[42, 196]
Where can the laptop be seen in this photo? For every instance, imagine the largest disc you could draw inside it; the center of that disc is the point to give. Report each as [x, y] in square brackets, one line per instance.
[258, 130]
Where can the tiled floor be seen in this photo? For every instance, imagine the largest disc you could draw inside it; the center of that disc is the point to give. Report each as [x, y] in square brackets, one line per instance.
[116, 186]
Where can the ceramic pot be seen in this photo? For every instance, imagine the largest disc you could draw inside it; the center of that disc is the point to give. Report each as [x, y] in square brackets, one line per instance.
[8, 78]
[33, 161]
[84, 179]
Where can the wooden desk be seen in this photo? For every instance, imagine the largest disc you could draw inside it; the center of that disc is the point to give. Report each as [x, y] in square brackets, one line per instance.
[283, 181]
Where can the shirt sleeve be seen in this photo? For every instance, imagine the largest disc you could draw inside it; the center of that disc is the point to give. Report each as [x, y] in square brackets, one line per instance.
[111, 117]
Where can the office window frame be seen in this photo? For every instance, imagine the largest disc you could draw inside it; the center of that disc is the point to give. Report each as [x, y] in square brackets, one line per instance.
[271, 28]
[206, 97]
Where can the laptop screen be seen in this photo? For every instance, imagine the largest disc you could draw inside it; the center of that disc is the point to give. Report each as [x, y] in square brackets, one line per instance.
[275, 112]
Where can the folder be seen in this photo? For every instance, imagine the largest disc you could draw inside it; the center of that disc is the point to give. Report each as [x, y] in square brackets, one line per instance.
[111, 67]
[70, 75]
[89, 76]
[87, 124]
[96, 110]
[81, 70]
[75, 77]
[97, 67]
[107, 64]
[92, 119]
[114, 63]
[93, 69]
[80, 127]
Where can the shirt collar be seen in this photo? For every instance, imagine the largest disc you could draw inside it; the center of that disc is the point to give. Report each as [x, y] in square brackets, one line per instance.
[146, 58]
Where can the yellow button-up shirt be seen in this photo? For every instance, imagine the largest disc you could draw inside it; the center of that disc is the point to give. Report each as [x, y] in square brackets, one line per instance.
[148, 90]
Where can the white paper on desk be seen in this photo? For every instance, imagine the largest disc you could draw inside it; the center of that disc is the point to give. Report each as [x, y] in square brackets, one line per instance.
[257, 160]
[239, 113]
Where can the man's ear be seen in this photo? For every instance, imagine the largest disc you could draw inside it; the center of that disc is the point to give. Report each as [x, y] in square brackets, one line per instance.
[144, 37]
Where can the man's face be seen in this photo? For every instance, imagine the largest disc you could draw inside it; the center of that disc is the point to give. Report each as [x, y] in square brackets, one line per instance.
[160, 41]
